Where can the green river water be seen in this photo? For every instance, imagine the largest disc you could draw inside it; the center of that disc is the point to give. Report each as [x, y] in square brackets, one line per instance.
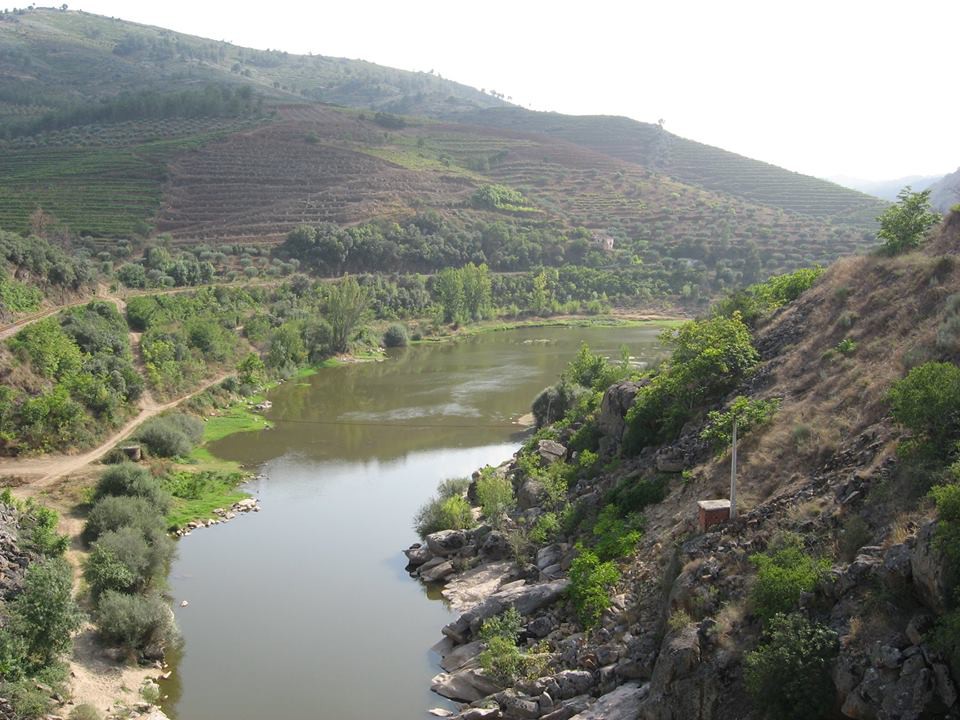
[304, 609]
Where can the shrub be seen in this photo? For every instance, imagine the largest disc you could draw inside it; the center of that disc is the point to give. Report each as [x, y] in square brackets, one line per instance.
[632, 495]
[113, 512]
[614, 536]
[590, 582]
[555, 401]
[847, 346]
[545, 528]
[171, 435]
[495, 494]
[85, 711]
[439, 513]
[748, 413]
[903, 224]
[28, 701]
[44, 615]
[127, 559]
[135, 621]
[507, 624]
[38, 531]
[789, 675]
[782, 578]
[854, 535]
[395, 336]
[502, 661]
[128, 479]
[927, 402]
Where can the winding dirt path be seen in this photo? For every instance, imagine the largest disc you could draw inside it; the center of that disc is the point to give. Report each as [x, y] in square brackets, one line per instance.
[42, 472]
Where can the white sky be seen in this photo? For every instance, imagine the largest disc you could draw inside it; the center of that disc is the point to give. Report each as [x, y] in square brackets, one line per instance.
[848, 87]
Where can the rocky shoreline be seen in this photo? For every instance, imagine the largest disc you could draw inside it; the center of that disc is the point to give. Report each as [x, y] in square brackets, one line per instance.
[669, 647]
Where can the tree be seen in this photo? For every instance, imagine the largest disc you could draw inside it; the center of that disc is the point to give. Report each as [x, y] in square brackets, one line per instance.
[45, 614]
[927, 401]
[346, 304]
[251, 370]
[903, 225]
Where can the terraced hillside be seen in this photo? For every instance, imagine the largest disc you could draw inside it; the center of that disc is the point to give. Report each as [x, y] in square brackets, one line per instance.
[694, 163]
[120, 130]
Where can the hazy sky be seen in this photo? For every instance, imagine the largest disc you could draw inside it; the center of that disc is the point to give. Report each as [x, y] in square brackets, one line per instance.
[844, 87]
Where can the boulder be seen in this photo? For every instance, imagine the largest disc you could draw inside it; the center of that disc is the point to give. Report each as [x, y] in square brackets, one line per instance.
[495, 546]
[670, 461]
[569, 708]
[928, 569]
[531, 494]
[461, 655]
[573, 682]
[681, 685]
[447, 542]
[621, 704]
[617, 399]
[438, 572]
[464, 685]
[417, 555]
[525, 598]
[472, 587]
[515, 705]
[550, 451]
[896, 572]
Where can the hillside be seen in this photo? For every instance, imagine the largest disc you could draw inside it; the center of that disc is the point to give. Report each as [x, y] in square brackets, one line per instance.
[694, 163]
[827, 597]
[128, 136]
[50, 59]
[945, 193]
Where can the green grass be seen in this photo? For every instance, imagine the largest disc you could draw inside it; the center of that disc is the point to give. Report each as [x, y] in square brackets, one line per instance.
[185, 511]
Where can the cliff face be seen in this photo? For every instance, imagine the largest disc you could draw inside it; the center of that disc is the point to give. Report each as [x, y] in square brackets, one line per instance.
[823, 474]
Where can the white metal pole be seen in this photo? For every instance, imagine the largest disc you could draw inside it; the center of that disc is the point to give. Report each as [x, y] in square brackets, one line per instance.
[733, 472]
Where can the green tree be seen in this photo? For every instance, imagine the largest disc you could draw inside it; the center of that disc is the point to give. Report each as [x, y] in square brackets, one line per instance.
[903, 225]
[789, 675]
[250, 369]
[45, 614]
[346, 304]
[449, 292]
[927, 401]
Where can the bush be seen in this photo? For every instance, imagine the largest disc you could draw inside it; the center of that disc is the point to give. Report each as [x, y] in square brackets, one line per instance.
[135, 621]
[615, 537]
[495, 494]
[171, 435]
[395, 336]
[545, 528]
[127, 559]
[927, 402]
[632, 495]
[555, 401]
[113, 512]
[439, 513]
[748, 413]
[501, 659]
[44, 615]
[38, 531]
[790, 675]
[28, 701]
[903, 224]
[590, 582]
[128, 479]
[85, 711]
[782, 578]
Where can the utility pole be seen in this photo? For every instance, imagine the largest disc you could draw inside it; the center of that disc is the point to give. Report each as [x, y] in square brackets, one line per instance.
[733, 472]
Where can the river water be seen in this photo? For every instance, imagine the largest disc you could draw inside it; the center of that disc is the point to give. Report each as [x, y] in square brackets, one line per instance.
[304, 609]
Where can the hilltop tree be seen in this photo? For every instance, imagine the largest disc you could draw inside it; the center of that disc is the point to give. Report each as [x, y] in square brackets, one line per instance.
[903, 225]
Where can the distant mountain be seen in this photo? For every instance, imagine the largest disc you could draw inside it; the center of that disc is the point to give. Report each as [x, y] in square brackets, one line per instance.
[887, 189]
[124, 131]
[945, 193]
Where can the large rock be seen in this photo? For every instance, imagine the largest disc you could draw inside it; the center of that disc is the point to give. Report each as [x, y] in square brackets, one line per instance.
[550, 451]
[461, 655]
[928, 569]
[417, 555]
[447, 542]
[464, 685]
[438, 572]
[621, 704]
[495, 546]
[472, 587]
[531, 494]
[617, 399]
[681, 686]
[525, 598]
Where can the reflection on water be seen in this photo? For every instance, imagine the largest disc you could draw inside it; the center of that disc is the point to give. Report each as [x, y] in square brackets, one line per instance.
[304, 610]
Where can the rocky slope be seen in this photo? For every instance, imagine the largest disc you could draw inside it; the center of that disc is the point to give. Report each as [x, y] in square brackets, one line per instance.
[673, 643]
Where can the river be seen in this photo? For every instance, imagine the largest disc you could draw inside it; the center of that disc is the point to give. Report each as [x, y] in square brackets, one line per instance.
[304, 609]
